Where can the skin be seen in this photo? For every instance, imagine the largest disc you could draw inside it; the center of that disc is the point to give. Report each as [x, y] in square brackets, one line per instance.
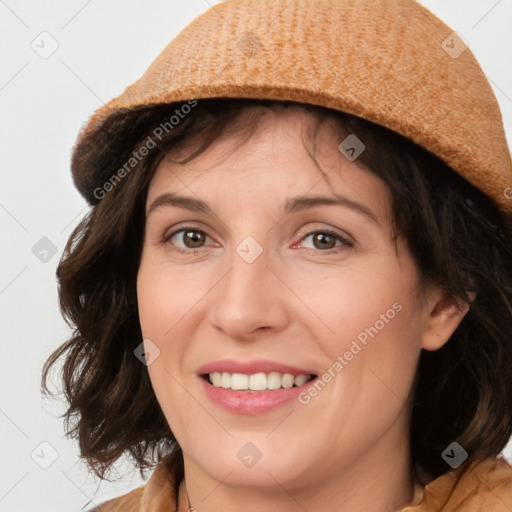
[298, 303]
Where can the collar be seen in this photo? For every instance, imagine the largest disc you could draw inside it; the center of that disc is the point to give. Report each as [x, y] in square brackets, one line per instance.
[160, 493]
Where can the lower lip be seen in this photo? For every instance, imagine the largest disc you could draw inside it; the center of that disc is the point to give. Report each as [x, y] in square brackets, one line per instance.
[256, 402]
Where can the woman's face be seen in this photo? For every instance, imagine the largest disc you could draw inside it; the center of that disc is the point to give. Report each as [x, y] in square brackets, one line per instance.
[246, 271]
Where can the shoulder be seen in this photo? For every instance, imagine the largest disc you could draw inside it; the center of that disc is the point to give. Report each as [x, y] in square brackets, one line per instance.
[494, 478]
[159, 493]
[484, 484]
[130, 502]
[476, 486]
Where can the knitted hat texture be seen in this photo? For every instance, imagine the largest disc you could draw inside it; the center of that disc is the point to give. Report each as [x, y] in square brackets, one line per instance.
[391, 62]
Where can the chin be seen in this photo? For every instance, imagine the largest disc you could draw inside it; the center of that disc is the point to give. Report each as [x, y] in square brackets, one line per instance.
[252, 461]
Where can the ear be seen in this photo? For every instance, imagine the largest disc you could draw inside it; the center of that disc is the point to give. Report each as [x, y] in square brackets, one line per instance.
[445, 313]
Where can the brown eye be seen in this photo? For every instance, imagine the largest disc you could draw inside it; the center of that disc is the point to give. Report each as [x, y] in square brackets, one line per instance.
[193, 239]
[323, 241]
[326, 241]
[186, 238]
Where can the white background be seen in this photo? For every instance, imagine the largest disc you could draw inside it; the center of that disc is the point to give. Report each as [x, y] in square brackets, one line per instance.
[102, 47]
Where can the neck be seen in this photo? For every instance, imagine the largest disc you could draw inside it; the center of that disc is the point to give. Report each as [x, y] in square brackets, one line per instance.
[380, 480]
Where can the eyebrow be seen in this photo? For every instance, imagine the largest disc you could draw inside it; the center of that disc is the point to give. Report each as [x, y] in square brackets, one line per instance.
[301, 203]
[293, 204]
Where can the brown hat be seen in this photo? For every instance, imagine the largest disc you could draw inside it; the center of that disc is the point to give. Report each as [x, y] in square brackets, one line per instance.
[388, 61]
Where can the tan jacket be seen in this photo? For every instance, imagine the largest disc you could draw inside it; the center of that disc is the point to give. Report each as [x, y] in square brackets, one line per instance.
[476, 486]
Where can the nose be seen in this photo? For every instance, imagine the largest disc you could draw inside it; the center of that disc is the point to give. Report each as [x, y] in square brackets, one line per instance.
[249, 299]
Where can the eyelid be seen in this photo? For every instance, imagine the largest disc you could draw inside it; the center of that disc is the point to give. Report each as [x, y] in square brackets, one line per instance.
[343, 235]
[346, 240]
[167, 236]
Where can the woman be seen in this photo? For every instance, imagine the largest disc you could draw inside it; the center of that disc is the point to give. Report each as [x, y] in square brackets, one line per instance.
[294, 287]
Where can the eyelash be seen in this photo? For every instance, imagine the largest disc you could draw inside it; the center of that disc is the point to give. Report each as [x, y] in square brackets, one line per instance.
[329, 232]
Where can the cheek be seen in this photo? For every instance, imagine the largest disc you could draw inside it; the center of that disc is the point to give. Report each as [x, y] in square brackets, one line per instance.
[368, 323]
[373, 356]
[364, 303]
[165, 296]
[169, 305]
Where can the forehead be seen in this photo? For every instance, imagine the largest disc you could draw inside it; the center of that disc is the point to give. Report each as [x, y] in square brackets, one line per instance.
[275, 161]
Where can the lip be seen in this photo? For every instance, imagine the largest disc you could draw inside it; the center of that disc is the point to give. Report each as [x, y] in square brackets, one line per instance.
[250, 367]
[254, 402]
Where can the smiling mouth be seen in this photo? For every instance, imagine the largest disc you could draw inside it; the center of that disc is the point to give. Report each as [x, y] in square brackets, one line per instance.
[256, 382]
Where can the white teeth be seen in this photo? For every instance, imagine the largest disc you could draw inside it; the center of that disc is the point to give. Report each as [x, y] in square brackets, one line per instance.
[273, 380]
[239, 381]
[300, 379]
[216, 379]
[287, 380]
[257, 381]
[225, 380]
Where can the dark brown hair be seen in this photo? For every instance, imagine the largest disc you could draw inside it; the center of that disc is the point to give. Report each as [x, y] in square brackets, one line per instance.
[455, 234]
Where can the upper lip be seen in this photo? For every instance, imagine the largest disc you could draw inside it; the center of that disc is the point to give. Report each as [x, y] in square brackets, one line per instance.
[251, 367]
